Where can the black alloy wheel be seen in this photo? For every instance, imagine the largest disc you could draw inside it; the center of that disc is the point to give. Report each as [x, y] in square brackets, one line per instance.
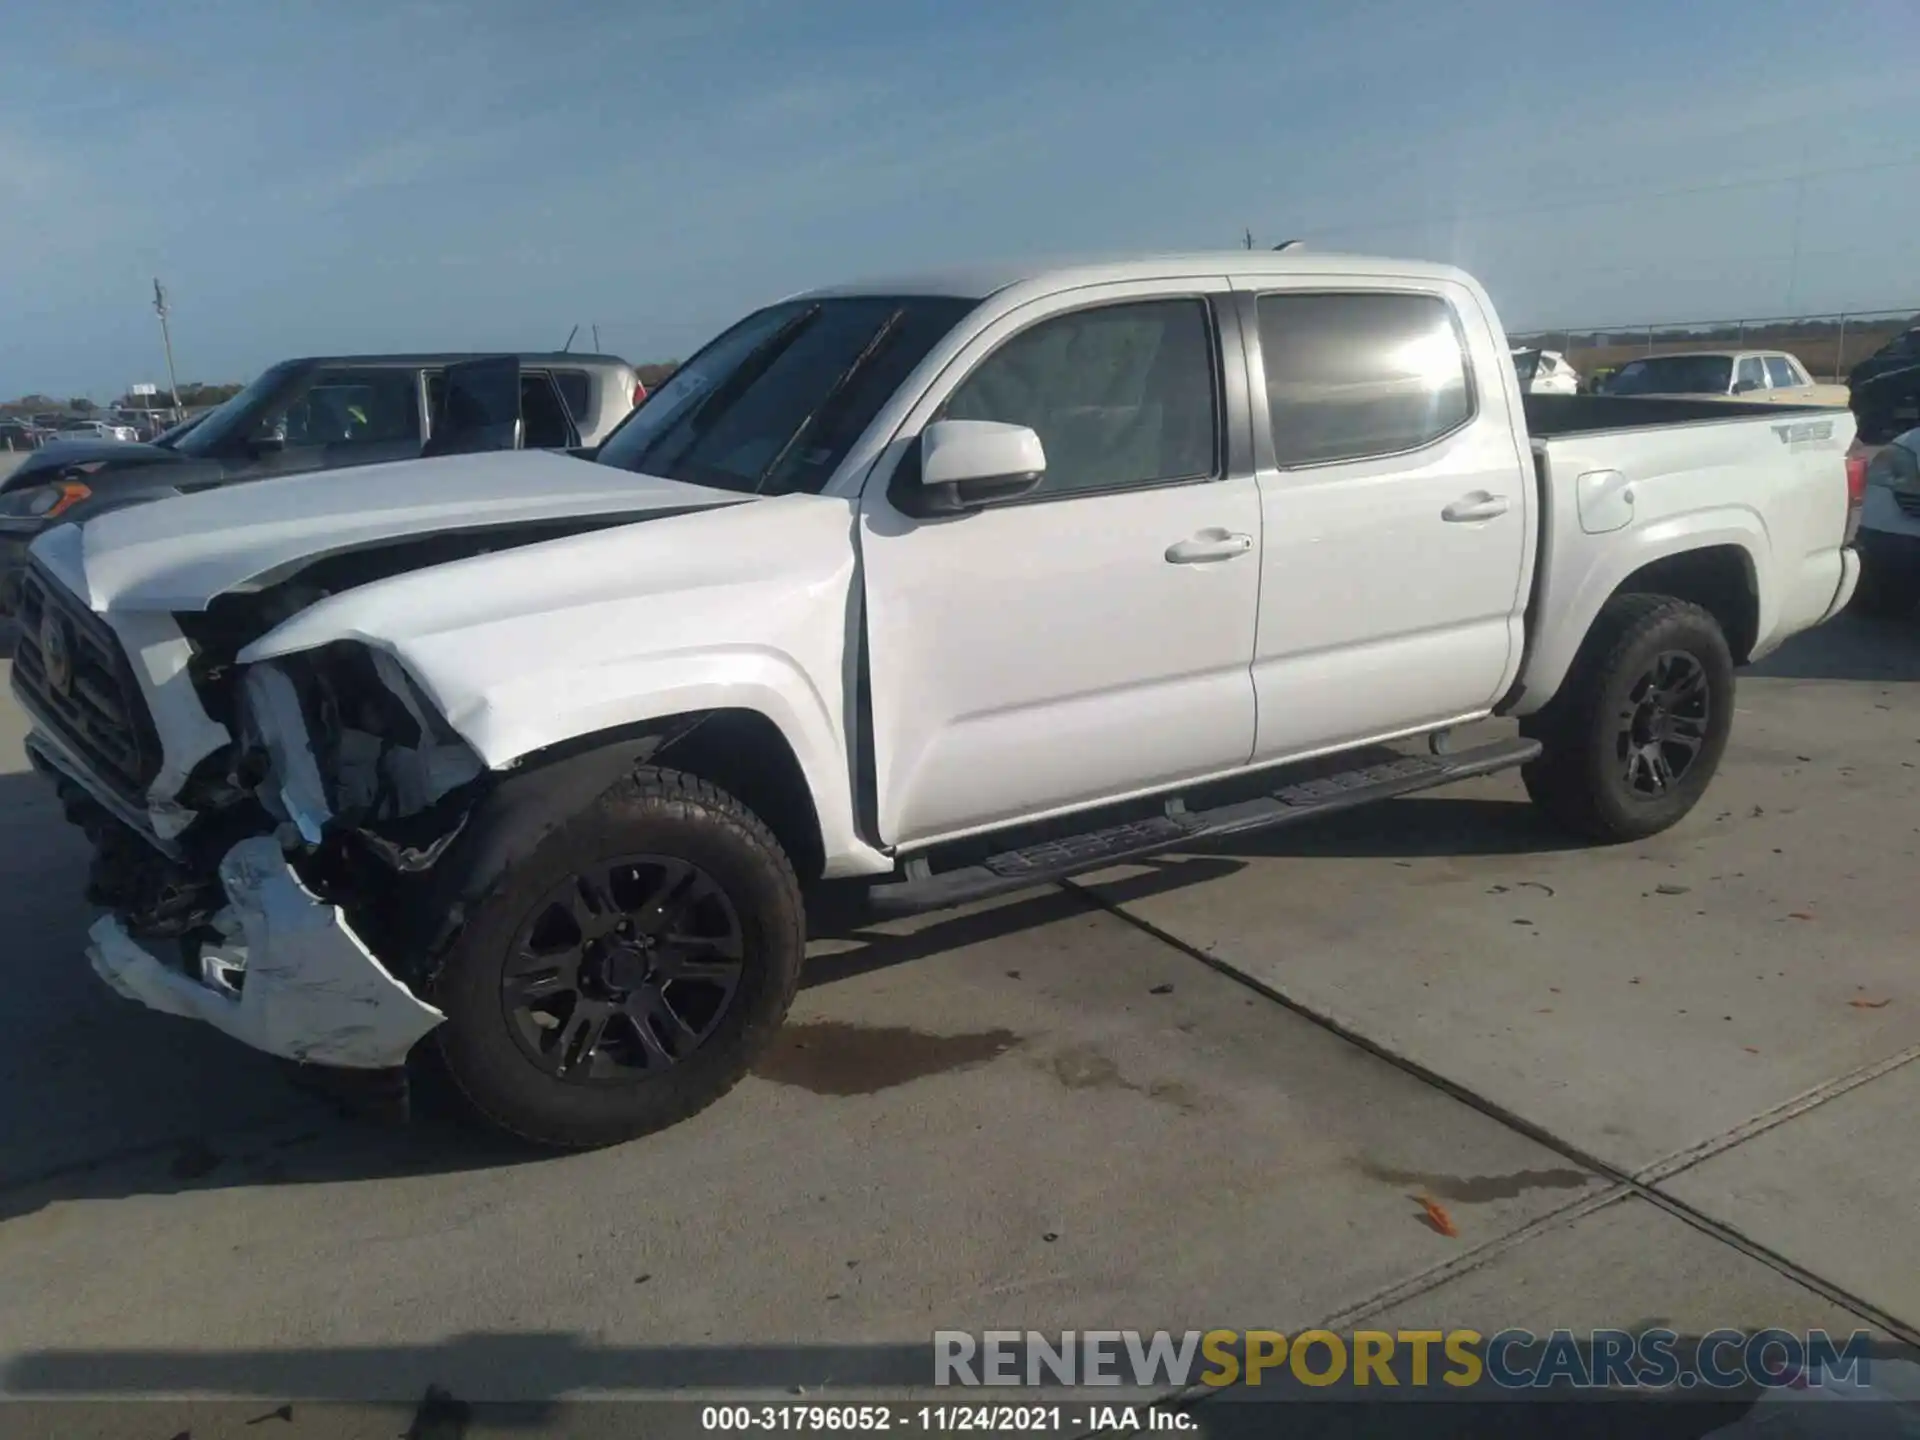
[1664, 723]
[1637, 728]
[623, 970]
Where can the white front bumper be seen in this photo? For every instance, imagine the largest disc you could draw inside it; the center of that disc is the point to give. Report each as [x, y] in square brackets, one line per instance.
[312, 991]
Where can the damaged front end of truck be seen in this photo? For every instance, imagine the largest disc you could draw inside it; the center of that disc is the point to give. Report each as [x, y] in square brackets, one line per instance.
[259, 890]
[270, 835]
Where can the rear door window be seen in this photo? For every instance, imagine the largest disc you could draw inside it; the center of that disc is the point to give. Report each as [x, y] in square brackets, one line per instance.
[1780, 372]
[543, 412]
[1750, 375]
[577, 391]
[1353, 376]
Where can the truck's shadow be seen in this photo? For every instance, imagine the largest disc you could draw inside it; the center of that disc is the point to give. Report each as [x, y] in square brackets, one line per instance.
[101, 1099]
[1850, 647]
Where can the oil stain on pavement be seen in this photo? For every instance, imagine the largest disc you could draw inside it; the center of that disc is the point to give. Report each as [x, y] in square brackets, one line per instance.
[831, 1057]
[1086, 1069]
[1478, 1189]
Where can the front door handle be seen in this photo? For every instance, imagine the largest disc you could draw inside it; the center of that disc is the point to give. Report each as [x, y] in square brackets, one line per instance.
[1477, 506]
[1214, 544]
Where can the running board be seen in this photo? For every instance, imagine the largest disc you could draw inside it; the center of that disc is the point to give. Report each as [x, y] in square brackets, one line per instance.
[1048, 860]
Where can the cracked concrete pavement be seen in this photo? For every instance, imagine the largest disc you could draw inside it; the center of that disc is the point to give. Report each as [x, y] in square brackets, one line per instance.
[1668, 1081]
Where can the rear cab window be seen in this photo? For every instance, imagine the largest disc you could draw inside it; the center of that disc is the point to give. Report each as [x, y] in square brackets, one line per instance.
[1362, 374]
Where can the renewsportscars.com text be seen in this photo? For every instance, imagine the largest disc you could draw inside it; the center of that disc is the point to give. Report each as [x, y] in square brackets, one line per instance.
[1416, 1359]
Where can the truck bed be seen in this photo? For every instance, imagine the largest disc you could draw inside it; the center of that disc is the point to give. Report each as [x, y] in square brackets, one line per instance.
[1554, 416]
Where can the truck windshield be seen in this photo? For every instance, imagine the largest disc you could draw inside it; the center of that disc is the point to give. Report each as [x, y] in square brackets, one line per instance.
[1674, 375]
[221, 428]
[774, 405]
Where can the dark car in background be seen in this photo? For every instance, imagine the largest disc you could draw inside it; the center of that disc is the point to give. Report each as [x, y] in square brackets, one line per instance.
[20, 435]
[317, 413]
[1900, 353]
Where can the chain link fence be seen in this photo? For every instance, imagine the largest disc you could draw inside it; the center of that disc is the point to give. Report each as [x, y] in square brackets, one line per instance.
[1828, 345]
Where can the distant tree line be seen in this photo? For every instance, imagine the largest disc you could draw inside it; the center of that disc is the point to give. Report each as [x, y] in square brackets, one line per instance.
[195, 395]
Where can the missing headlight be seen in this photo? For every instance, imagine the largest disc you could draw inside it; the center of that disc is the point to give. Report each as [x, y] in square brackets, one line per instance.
[349, 737]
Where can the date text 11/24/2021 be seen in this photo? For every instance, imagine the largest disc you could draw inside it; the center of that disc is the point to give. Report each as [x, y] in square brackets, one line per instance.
[942, 1419]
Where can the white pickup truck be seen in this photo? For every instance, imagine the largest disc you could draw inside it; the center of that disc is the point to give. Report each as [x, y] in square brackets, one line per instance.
[943, 587]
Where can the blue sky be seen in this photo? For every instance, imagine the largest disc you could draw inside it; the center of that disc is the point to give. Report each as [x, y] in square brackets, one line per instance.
[362, 175]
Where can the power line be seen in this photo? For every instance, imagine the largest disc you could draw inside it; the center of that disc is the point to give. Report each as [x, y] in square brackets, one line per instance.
[1560, 207]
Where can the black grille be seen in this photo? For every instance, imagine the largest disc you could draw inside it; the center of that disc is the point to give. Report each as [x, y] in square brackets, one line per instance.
[1909, 504]
[69, 667]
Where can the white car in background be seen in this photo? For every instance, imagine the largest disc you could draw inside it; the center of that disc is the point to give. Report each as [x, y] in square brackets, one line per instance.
[1545, 372]
[98, 430]
[1765, 377]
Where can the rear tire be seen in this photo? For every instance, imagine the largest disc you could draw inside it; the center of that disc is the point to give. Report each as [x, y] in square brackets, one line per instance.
[1637, 731]
[628, 971]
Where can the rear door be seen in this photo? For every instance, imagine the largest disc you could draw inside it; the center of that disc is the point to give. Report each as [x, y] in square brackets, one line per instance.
[1397, 499]
[1091, 639]
[476, 407]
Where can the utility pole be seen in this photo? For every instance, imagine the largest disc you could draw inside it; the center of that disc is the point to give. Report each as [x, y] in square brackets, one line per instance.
[166, 339]
[596, 339]
[1249, 239]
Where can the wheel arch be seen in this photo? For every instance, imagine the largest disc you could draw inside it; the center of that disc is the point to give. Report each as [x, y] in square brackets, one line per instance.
[1721, 570]
[741, 751]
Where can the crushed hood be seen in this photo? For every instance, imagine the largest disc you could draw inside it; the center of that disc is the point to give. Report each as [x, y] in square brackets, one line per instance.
[179, 553]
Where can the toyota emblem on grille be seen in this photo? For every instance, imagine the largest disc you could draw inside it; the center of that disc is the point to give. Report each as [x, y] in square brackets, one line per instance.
[56, 652]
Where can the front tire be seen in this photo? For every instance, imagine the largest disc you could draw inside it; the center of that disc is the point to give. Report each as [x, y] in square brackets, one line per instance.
[1637, 731]
[628, 971]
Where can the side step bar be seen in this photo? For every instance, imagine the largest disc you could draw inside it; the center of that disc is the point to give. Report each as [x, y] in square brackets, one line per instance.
[1037, 864]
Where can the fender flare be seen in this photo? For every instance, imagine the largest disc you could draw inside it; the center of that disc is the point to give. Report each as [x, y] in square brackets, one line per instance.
[1554, 645]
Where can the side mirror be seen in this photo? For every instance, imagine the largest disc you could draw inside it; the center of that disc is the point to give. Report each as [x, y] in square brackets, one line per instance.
[964, 464]
[478, 409]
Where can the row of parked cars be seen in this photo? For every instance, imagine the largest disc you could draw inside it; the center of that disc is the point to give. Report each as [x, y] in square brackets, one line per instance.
[1758, 376]
[19, 433]
[318, 413]
[534, 751]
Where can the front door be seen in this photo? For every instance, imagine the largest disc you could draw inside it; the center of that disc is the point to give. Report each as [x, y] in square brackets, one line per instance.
[1092, 639]
[1397, 503]
[339, 416]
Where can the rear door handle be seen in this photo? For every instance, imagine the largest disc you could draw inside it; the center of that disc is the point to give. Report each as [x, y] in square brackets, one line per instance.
[1477, 506]
[1214, 544]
